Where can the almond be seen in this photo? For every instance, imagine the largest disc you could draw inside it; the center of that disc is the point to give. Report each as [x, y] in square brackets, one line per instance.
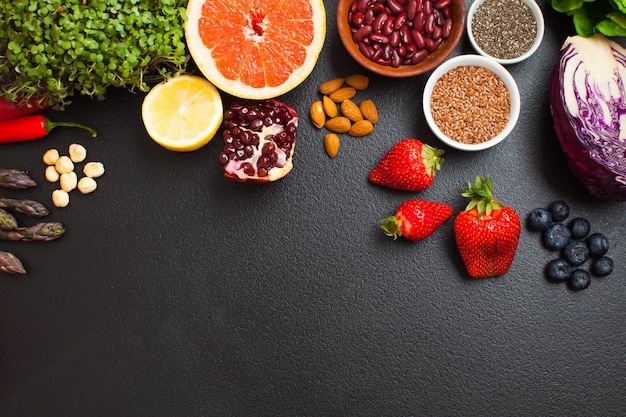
[358, 81]
[351, 110]
[330, 108]
[369, 111]
[344, 93]
[318, 117]
[338, 124]
[331, 86]
[361, 128]
[331, 144]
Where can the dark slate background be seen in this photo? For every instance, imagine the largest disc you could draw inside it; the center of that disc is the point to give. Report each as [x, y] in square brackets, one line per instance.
[176, 292]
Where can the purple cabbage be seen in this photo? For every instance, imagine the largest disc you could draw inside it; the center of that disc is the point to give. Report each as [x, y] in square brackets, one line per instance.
[588, 101]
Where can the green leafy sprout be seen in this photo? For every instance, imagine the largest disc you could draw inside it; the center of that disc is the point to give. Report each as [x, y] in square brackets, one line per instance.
[52, 49]
[607, 17]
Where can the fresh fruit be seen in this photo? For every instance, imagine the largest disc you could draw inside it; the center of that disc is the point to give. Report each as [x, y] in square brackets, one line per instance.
[416, 219]
[579, 280]
[259, 140]
[556, 237]
[602, 266]
[559, 210]
[598, 244]
[580, 227]
[487, 232]
[409, 165]
[183, 113]
[255, 50]
[558, 270]
[539, 219]
[576, 252]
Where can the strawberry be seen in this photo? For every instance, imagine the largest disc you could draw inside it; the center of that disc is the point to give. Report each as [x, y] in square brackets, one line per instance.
[487, 232]
[416, 219]
[409, 165]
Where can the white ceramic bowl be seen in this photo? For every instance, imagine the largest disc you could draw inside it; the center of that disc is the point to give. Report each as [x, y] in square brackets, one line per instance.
[536, 11]
[496, 68]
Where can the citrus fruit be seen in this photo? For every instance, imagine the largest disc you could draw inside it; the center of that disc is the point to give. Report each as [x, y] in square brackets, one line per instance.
[255, 49]
[183, 113]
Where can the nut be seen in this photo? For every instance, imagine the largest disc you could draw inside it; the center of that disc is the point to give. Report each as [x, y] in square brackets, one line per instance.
[338, 124]
[330, 108]
[344, 93]
[93, 169]
[331, 144]
[318, 117]
[51, 174]
[351, 110]
[358, 81]
[50, 157]
[369, 110]
[60, 198]
[64, 164]
[68, 181]
[87, 185]
[77, 152]
[361, 128]
[331, 86]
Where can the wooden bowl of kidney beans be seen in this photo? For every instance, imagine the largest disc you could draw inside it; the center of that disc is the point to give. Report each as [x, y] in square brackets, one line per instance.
[400, 38]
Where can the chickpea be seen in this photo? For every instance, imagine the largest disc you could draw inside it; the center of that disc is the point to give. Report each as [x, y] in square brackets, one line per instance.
[51, 174]
[87, 185]
[93, 169]
[78, 153]
[50, 157]
[60, 198]
[68, 181]
[64, 164]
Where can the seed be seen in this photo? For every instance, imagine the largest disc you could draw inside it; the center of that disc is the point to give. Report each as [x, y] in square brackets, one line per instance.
[358, 81]
[68, 181]
[50, 157]
[77, 153]
[330, 108]
[93, 169]
[350, 110]
[64, 164]
[369, 110]
[361, 128]
[87, 185]
[60, 198]
[338, 124]
[318, 118]
[344, 93]
[331, 144]
[331, 86]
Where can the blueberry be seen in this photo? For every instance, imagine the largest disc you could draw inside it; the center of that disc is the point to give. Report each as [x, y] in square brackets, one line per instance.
[559, 210]
[602, 266]
[579, 280]
[576, 252]
[556, 237]
[539, 219]
[558, 270]
[598, 245]
[580, 227]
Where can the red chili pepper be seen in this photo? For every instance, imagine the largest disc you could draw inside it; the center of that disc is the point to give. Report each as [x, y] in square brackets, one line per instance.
[10, 110]
[32, 127]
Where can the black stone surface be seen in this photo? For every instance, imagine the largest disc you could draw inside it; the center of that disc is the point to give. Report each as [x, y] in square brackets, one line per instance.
[176, 292]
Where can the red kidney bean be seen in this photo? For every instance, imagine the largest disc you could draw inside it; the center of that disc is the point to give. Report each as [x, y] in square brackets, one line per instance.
[418, 22]
[361, 5]
[357, 18]
[395, 6]
[436, 33]
[401, 50]
[379, 21]
[366, 50]
[386, 55]
[368, 16]
[446, 28]
[429, 24]
[428, 44]
[411, 9]
[446, 12]
[418, 38]
[427, 7]
[362, 33]
[396, 60]
[378, 8]
[379, 37]
[411, 48]
[388, 27]
[440, 4]
[419, 56]
[420, 5]
[394, 38]
[438, 17]
[405, 35]
[399, 21]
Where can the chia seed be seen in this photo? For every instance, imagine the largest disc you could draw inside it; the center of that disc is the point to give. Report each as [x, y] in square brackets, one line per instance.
[504, 29]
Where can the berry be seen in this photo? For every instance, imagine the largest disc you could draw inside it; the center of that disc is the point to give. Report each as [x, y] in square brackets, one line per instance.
[598, 245]
[559, 210]
[556, 237]
[558, 270]
[579, 280]
[416, 219]
[602, 266]
[576, 252]
[579, 227]
[539, 219]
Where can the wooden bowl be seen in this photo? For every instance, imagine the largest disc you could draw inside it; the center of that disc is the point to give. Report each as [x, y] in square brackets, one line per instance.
[458, 14]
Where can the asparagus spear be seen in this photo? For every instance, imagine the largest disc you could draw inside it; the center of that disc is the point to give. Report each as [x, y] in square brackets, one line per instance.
[29, 207]
[7, 221]
[40, 231]
[16, 179]
[10, 264]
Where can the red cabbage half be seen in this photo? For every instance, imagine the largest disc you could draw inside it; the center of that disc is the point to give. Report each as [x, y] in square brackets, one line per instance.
[588, 101]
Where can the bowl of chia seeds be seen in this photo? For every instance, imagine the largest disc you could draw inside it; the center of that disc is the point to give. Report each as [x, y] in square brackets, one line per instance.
[509, 31]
